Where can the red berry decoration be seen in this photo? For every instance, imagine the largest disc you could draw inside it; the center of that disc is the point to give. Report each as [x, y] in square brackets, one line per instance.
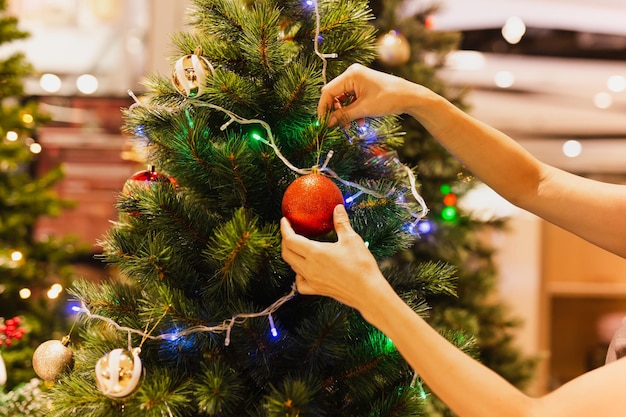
[308, 204]
[10, 331]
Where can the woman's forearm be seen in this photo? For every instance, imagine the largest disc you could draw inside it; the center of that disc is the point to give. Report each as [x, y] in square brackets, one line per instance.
[504, 165]
[492, 156]
[469, 388]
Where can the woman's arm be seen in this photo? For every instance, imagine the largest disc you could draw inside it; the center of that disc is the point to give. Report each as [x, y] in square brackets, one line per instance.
[471, 389]
[590, 209]
[347, 271]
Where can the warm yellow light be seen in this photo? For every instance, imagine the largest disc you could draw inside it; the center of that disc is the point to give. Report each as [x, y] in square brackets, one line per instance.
[572, 148]
[54, 291]
[27, 118]
[35, 148]
[25, 293]
[603, 100]
[16, 255]
[513, 30]
[87, 84]
[12, 136]
[50, 83]
[616, 83]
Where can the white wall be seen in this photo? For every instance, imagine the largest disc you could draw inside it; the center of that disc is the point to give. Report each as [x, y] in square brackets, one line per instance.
[167, 17]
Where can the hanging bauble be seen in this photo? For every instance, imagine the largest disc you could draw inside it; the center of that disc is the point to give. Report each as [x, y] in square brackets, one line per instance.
[53, 358]
[393, 49]
[190, 73]
[308, 204]
[3, 371]
[145, 178]
[118, 372]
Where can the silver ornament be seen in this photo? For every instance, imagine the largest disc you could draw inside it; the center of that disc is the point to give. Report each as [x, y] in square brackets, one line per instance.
[52, 358]
[118, 372]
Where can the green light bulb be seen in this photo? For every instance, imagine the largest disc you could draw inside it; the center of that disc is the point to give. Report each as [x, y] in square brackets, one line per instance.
[448, 213]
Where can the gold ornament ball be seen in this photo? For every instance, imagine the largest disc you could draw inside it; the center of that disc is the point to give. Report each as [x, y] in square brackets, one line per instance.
[393, 49]
[52, 358]
[190, 73]
[118, 372]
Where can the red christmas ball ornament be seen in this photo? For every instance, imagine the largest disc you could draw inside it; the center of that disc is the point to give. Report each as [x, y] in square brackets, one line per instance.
[146, 179]
[308, 204]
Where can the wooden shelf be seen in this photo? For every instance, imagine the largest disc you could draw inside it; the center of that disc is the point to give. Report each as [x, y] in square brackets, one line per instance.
[586, 289]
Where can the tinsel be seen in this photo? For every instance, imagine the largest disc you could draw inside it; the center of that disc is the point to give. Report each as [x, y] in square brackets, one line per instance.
[27, 400]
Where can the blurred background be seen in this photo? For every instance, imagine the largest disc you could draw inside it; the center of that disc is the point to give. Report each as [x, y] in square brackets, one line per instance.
[552, 74]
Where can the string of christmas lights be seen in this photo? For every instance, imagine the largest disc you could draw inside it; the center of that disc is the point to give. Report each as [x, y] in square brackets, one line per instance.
[316, 41]
[324, 168]
[225, 326]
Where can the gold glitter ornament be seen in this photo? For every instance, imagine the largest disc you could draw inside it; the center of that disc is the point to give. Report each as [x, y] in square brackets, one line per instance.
[190, 73]
[118, 372]
[393, 49]
[53, 358]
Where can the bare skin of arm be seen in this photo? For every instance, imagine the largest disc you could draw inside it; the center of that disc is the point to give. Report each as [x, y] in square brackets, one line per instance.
[346, 271]
[590, 209]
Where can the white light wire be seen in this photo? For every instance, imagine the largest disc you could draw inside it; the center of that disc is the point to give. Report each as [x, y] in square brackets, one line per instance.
[225, 326]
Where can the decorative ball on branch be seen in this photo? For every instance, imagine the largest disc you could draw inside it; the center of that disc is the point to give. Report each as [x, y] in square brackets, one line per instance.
[145, 178]
[393, 49]
[52, 359]
[190, 73]
[308, 204]
[118, 372]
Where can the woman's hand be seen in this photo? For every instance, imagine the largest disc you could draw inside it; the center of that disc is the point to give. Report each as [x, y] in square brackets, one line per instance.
[344, 270]
[370, 94]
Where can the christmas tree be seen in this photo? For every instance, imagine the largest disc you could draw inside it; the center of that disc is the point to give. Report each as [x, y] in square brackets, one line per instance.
[33, 272]
[202, 317]
[410, 49]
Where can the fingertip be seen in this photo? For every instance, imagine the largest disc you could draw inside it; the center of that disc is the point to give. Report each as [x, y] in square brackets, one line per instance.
[285, 226]
[340, 209]
[340, 217]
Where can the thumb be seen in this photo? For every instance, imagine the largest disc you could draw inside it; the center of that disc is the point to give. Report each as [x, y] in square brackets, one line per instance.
[341, 220]
[343, 115]
[303, 286]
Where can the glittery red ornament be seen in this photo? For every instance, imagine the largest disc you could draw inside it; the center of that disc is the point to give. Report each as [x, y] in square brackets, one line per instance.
[145, 178]
[308, 204]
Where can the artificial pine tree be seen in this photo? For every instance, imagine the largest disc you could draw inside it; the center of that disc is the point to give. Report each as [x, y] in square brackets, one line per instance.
[26, 263]
[202, 317]
[413, 51]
